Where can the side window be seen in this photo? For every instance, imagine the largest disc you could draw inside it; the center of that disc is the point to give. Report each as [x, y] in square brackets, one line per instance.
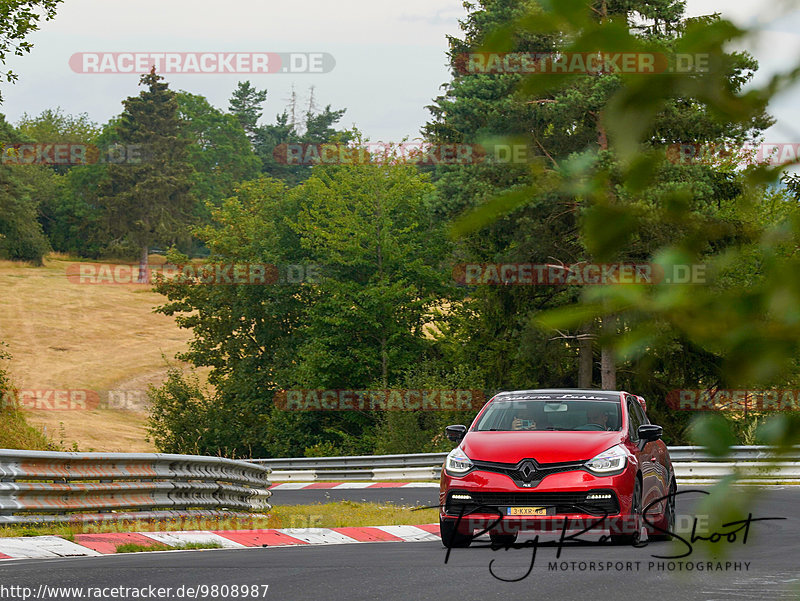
[634, 421]
[640, 412]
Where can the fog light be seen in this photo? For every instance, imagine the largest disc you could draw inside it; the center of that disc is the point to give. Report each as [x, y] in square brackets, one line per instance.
[460, 497]
[594, 497]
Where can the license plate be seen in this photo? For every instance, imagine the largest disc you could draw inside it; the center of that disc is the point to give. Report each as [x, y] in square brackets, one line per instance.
[527, 511]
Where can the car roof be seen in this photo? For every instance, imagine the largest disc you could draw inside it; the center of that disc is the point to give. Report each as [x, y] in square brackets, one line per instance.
[565, 393]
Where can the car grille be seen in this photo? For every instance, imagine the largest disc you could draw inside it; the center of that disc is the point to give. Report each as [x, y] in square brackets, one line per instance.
[562, 502]
[528, 472]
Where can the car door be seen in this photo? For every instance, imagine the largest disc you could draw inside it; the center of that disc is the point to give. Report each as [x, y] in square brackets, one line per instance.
[650, 459]
[644, 455]
[659, 455]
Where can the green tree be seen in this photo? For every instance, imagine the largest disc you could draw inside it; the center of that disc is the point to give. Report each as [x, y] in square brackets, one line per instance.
[69, 224]
[21, 236]
[366, 230]
[369, 225]
[71, 213]
[54, 126]
[19, 18]
[219, 151]
[317, 127]
[245, 334]
[149, 201]
[245, 105]
[542, 213]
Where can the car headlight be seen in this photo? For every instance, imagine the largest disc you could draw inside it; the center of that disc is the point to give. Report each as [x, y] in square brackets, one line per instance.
[457, 462]
[610, 460]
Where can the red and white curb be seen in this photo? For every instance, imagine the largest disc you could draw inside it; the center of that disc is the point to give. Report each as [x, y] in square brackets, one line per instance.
[42, 547]
[351, 485]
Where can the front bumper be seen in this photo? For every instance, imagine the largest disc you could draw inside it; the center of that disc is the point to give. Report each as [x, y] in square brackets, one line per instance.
[574, 500]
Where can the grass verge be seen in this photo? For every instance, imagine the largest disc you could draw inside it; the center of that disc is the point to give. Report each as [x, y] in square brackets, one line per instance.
[16, 433]
[134, 548]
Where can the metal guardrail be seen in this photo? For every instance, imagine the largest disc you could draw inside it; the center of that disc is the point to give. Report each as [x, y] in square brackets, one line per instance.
[420, 466]
[38, 486]
[736, 453]
[351, 462]
[692, 464]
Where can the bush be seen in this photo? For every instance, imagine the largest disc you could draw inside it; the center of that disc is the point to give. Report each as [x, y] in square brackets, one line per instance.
[15, 432]
[423, 431]
[179, 414]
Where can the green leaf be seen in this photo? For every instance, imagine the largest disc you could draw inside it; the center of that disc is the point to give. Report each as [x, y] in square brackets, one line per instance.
[713, 433]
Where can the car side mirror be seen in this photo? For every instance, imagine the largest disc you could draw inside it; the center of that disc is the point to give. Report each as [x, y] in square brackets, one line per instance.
[455, 433]
[649, 433]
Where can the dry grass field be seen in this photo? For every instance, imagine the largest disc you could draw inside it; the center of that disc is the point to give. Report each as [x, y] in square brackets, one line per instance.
[67, 336]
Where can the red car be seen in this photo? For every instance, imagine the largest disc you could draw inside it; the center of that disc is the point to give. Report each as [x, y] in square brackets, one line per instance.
[534, 458]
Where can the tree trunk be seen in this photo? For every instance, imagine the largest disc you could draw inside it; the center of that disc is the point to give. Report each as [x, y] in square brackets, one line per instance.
[608, 367]
[585, 359]
[144, 270]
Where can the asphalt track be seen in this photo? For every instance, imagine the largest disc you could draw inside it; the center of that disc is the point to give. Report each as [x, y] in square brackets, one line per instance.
[411, 571]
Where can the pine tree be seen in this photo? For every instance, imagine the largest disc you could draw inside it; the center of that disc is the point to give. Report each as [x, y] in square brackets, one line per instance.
[148, 200]
[245, 104]
[317, 128]
[523, 213]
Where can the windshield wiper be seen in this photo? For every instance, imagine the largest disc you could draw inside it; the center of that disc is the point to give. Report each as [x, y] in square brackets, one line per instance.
[559, 429]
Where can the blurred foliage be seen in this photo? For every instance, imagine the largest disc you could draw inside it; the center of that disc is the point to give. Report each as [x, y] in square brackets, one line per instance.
[602, 166]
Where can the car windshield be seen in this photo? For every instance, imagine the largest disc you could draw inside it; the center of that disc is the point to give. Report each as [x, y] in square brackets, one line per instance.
[550, 413]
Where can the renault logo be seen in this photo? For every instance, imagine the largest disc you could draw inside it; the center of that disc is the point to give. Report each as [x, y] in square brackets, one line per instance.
[528, 470]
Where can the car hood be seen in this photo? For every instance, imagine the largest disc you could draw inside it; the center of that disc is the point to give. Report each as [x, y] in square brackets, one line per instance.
[544, 447]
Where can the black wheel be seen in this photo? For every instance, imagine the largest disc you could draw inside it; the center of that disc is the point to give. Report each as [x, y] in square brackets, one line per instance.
[632, 538]
[451, 537]
[669, 515]
[503, 540]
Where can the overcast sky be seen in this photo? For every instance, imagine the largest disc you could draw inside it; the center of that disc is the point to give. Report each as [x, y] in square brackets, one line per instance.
[390, 56]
